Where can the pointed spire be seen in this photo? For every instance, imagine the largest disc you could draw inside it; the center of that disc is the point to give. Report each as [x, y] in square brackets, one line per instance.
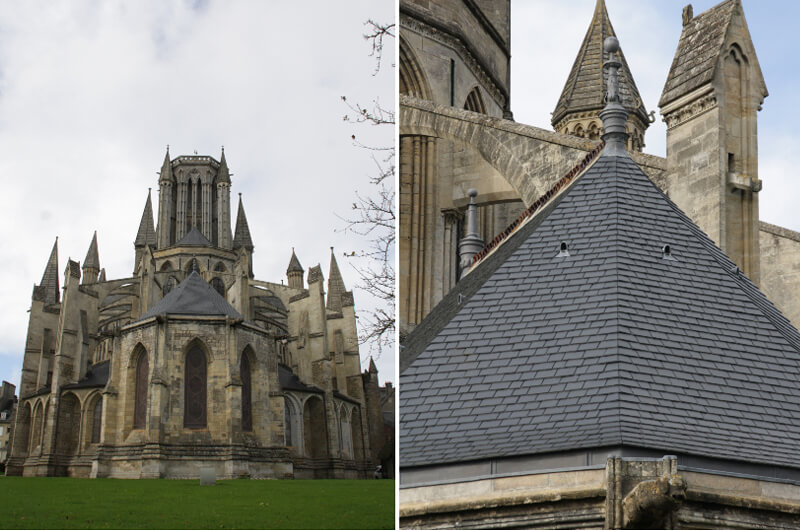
[336, 288]
[102, 276]
[294, 264]
[92, 260]
[223, 174]
[147, 232]
[166, 168]
[48, 289]
[372, 368]
[584, 90]
[241, 236]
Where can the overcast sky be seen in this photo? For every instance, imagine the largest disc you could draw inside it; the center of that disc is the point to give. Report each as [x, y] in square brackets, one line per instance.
[546, 36]
[92, 92]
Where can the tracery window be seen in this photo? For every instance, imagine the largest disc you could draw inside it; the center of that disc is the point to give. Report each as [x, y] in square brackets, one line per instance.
[218, 285]
[140, 404]
[194, 413]
[97, 420]
[247, 403]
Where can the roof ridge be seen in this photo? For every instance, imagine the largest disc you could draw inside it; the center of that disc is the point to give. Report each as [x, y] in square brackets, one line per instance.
[561, 183]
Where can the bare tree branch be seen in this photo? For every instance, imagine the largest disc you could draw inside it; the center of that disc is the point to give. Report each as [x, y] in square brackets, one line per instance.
[373, 215]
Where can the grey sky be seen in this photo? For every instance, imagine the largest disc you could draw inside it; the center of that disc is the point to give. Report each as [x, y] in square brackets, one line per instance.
[92, 92]
[546, 36]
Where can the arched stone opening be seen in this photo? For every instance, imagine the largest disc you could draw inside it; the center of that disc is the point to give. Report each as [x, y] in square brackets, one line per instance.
[412, 81]
[474, 101]
[36, 429]
[356, 434]
[139, 384]
[315, 433]
[246, 373]
[195, 395]
[68, 426]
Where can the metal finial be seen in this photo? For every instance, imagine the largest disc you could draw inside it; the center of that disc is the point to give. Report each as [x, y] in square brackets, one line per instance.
[614, 115]
[471, 243]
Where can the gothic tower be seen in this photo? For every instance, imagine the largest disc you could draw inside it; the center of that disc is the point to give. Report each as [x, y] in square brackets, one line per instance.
[578, 108]
[709, 102]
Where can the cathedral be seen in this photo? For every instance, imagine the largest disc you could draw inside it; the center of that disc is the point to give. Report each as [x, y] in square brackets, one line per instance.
[191, 364]
[591, 336]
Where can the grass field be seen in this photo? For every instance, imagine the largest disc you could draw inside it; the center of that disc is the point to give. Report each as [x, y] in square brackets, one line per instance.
[108, 503]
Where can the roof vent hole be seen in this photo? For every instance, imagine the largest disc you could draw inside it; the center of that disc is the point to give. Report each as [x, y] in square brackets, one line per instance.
[564, 249]
[666, 252]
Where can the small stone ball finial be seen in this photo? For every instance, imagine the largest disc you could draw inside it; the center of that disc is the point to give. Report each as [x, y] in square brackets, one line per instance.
[472, 192]
[611, 45]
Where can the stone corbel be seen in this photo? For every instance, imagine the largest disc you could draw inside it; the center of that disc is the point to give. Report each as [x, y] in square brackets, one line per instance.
[743, 182]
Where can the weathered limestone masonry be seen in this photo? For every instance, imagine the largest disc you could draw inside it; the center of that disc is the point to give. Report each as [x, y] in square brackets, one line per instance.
[191, 362]
[624, 493]
[709, 103]
[448, 147]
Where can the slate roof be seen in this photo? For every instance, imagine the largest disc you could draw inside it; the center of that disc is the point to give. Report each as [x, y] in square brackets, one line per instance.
[533, 352]
[294, 264]
[146, 235]
[96, 378]
[289, 381]
[585, 86]
[194, 238]
[193, 296]
[241, 234]
[698, 50]
[48, 291]
[92, 260]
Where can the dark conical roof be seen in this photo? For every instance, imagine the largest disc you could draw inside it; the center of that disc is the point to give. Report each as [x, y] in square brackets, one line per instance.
[166, 167]
[585, 87]
[193, 296]
[146, 235]
[194, 238]
[294, 264]
[241, 236]
[336, 287]
[223, 173]
[631, 335]
[92, 260]
[48, 289]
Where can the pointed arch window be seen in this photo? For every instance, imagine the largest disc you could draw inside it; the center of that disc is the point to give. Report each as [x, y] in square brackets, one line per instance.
[474, 101]
[140, 403]
[194, 414]
[97, 420]
[247, 400]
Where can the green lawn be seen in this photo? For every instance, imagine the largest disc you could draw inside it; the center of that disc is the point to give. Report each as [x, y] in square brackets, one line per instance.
[108, 503]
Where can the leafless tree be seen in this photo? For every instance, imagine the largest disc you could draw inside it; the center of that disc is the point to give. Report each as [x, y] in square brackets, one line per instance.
[373, 215]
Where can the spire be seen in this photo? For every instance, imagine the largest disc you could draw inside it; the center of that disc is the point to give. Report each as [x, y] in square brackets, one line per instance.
[223, 174]
[147, 232]
[471, 243]
[372, 368]
[585, 87]
[166, 168]
[294, 264]
[102, 276]
[336, 288]
[614, 115]
[91, 263]
[48, 289]
[241, 236]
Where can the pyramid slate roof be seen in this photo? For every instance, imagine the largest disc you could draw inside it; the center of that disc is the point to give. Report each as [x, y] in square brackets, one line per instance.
[92, 260]
[585, 86]
[241, 234]
[146, 235]
[617, 343]
[194, 238]
[294, 264]
[193, 296]
[48, 289]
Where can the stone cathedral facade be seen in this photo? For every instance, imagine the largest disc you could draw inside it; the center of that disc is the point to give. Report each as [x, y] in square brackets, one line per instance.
[191, 362]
